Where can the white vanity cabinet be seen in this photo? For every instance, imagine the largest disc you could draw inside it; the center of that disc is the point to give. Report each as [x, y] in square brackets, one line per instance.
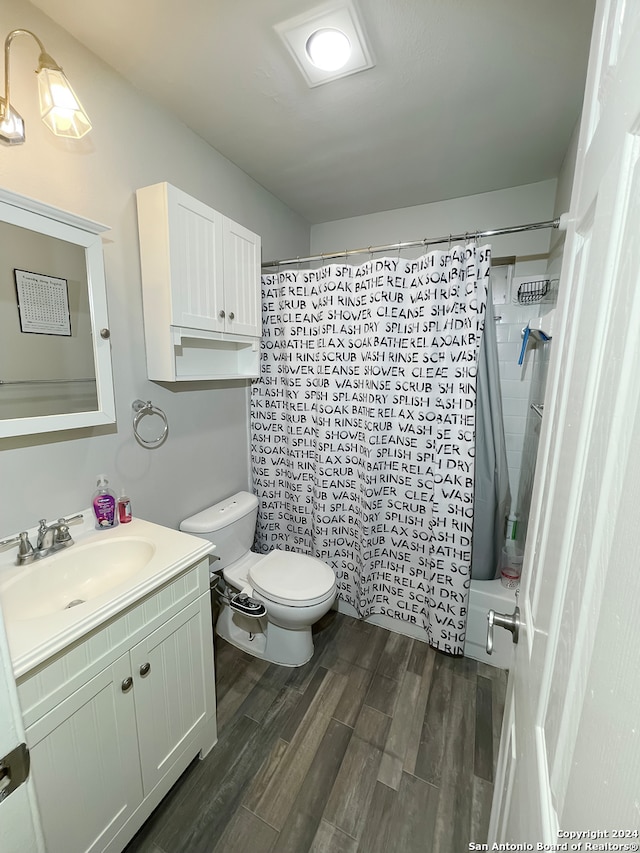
[170, 689]
[200, 287]
[84, 764]
[113, 720]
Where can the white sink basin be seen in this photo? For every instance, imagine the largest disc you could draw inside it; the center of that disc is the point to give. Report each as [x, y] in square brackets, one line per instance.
[74, 576]
[100, 575]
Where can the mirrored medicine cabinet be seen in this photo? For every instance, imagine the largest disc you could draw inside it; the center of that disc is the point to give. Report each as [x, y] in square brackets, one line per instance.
[55, 350]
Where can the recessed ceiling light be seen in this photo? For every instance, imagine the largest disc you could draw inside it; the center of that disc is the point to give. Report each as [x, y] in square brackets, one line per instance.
[308, 36]
[328, 49]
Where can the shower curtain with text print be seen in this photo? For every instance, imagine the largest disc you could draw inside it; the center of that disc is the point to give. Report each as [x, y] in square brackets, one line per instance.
[363, 427]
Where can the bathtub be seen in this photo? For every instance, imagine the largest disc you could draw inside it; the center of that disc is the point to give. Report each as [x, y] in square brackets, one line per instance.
[485, 596]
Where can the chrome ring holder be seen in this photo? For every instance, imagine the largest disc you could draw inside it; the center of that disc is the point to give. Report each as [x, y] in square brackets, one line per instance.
[142, 409]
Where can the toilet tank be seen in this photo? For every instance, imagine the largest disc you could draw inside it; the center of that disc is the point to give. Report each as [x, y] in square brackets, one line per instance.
[229, 524]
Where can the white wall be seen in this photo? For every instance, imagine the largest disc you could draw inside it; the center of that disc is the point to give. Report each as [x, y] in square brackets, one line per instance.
[133, 143]
[515, 206]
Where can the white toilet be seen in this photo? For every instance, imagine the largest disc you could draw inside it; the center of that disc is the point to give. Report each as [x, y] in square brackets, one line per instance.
[295, 590]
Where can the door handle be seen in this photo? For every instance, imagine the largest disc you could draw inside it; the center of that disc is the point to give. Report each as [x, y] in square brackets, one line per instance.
[14, 770]
[503, 620]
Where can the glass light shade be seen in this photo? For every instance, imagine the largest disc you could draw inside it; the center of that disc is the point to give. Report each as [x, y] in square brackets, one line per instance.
[328, 49]
[60, 109]
[12, 127]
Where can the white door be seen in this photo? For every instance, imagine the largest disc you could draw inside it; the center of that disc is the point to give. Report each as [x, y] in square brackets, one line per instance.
[570, 752]
[20, 830]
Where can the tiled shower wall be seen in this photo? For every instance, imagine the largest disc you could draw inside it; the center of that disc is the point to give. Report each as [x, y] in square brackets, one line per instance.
[537, 369]
[516, 382]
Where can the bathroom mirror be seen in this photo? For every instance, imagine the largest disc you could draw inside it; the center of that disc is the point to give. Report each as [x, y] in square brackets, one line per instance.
[55, 351]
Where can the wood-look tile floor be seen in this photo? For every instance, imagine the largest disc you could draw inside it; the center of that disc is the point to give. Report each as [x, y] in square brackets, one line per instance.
[379, 744]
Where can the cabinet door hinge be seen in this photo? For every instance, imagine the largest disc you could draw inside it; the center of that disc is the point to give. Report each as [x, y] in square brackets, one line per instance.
[14, 770]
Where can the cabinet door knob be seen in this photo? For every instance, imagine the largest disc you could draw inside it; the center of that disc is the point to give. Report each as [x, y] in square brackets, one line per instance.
[231, 315]
[145, 669]
[221, 315]
[127, 684]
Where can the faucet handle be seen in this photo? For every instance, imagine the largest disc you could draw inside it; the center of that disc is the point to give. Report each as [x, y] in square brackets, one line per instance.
[61, 532]
[25, 548]
[77, 517]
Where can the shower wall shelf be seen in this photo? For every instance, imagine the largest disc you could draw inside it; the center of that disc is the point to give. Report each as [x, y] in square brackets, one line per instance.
[531, 290]
[200, 289]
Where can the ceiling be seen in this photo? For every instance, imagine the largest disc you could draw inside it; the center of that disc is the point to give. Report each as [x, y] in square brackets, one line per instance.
[465, 97]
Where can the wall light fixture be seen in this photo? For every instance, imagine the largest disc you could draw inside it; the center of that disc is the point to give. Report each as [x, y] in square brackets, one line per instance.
[60, 108]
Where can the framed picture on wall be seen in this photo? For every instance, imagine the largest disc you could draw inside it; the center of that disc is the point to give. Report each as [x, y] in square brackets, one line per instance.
[43, 303]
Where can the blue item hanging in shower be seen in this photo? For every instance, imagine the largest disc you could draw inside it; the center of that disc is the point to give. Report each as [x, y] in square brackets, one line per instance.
[526, 333]
[525, 340]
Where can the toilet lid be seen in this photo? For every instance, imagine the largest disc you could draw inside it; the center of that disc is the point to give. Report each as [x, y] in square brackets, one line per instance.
[286, 576]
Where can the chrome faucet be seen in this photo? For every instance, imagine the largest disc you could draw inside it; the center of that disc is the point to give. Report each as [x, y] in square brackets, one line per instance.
[51, 538]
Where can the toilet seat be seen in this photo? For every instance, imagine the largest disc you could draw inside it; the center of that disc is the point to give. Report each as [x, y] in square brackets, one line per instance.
[285, 577]
[291, 578]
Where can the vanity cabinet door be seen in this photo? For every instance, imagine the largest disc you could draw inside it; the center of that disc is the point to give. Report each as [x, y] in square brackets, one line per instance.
[170, 688]
[84, 759]
[242, 303]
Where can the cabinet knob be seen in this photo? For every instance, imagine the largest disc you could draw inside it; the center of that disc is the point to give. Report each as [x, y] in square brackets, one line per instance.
[145, 669]
[127, 684]
[221, 315]
[231, 315]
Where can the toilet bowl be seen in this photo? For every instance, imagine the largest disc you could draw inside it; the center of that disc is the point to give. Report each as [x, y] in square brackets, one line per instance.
[295, 589]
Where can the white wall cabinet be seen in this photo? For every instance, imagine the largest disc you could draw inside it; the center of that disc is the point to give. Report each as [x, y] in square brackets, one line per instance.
[104, 756]
[200, 287]
[241, 265]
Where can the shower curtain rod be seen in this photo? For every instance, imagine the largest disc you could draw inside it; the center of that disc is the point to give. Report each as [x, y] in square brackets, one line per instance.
[559, 223]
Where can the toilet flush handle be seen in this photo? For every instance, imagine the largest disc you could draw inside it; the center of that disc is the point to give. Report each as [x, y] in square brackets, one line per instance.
[503, 620]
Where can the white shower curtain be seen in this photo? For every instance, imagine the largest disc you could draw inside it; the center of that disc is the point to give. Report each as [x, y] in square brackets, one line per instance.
[363, 424]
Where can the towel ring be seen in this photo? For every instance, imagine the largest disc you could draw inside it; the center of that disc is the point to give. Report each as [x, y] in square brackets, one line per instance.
[141, 409]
